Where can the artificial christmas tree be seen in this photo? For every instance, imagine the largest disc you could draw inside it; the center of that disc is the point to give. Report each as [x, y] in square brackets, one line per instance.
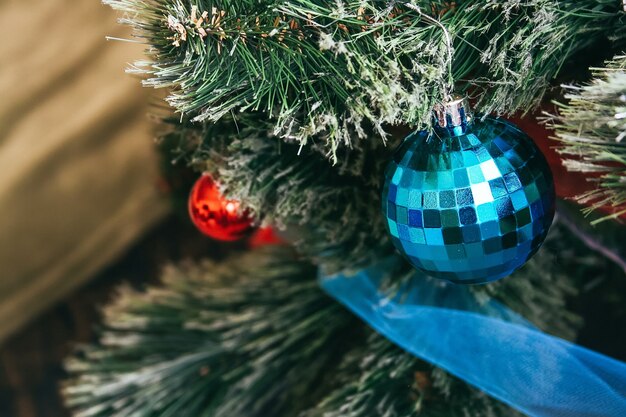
[296, 106]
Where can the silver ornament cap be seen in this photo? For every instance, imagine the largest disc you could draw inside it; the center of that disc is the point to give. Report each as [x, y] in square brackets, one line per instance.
[453, 114]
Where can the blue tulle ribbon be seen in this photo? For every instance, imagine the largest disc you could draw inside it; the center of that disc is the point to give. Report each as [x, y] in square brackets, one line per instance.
[487, 345]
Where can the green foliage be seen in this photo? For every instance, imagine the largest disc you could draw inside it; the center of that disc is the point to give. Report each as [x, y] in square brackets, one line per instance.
[242, 338]
[255, 336]
[342, 70]
[381, 379]
[591, 128]
[332, 214]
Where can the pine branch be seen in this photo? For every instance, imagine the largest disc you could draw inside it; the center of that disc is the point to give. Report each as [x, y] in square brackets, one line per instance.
[332, 213]
[254, 336]
[591, 128]
[382, 379]
[329, 69]
[249, 337]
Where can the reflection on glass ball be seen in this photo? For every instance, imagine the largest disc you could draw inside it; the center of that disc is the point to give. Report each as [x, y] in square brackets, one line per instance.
[471, 205]
[215, 216]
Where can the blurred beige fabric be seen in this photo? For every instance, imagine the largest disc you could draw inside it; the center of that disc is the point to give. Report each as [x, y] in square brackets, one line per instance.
[78, 168]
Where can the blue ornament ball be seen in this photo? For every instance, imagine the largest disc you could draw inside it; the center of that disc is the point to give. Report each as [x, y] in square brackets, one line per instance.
[468, 202]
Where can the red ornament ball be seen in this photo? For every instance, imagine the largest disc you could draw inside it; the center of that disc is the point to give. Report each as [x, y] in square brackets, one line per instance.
[214, 215]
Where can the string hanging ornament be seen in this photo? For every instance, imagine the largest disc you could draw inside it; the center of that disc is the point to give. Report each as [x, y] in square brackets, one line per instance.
[471, 199]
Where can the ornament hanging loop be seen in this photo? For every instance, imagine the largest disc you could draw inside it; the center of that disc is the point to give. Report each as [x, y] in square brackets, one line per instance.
[453, 114]
[448, 84]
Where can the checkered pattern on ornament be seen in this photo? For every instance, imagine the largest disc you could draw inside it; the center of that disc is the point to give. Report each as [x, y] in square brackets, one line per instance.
[468, 206]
